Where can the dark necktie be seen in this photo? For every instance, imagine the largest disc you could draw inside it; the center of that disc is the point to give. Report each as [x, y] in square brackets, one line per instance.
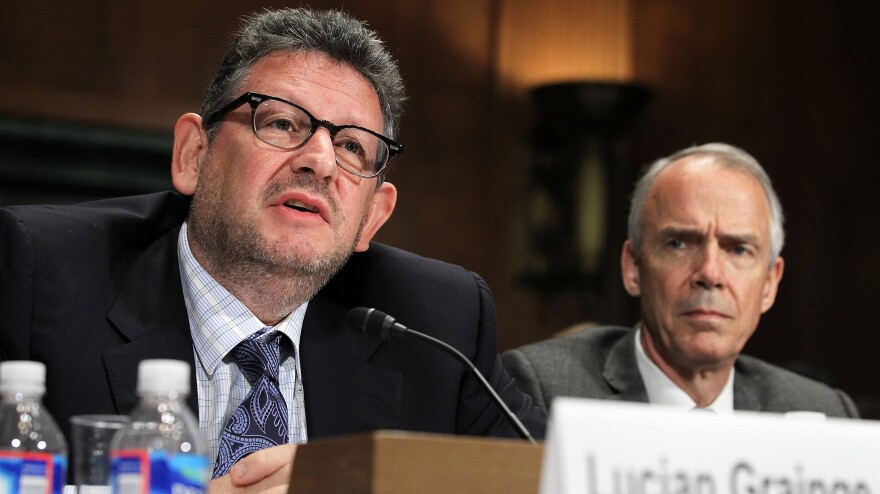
[261, 420]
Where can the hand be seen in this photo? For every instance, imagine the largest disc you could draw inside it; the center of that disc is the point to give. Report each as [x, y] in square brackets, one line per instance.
[266, 471]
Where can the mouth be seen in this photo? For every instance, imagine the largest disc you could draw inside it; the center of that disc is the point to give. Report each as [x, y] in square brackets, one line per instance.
[301, 206]
[304, 205]
[706, 313]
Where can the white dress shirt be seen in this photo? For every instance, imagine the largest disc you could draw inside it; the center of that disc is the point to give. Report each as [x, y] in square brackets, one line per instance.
[218, 322]
[661, 389]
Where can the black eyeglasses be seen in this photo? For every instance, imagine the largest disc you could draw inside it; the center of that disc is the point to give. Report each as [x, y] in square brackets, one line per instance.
[285, 125]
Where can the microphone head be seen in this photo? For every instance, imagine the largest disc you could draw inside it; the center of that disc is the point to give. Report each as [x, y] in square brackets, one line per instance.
[356, 319]
[370, 322]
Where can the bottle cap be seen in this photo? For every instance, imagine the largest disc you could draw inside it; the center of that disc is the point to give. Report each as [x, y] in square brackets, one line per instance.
[163, 375]
[22, 376]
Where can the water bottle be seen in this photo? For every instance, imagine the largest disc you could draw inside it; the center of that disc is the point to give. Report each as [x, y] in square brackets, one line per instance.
[33, 452]
[161, 450]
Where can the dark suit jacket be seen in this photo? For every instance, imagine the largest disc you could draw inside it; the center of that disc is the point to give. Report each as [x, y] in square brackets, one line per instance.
[92, 289]
[600, 363]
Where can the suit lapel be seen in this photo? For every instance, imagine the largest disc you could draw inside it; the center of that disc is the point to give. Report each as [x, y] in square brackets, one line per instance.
[343, 391]
[621, 371]
[744, 395]
[151, 313]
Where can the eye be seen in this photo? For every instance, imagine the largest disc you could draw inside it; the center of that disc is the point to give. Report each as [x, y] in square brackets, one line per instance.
[281, 124]
[352, 147]
[675, 243]
[741, 250]
[277, 119]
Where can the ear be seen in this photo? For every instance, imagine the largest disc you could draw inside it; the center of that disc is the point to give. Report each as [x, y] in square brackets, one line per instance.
[771, 284]
[190, 146]
[381, 207]
[629, 269]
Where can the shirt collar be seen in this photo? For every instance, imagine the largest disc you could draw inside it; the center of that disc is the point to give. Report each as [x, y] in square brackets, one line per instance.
[218, 321]
[661, 389]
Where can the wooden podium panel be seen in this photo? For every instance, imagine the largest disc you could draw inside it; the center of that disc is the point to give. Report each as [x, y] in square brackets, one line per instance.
[392, 462]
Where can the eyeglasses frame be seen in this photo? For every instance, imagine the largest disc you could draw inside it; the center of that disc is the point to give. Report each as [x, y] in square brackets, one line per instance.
[255, 99]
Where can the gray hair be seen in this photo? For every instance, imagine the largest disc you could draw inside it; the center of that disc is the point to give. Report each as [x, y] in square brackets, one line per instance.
[726, 155]
[331, 32]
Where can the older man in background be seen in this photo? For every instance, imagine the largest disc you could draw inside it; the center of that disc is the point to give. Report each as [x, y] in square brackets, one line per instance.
[703, 257]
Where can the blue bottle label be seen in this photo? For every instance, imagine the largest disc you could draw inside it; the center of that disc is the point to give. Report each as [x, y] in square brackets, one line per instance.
[138, 471]
[32, 473]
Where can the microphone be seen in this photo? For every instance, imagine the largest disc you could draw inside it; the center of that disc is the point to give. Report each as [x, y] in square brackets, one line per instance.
[377, 324]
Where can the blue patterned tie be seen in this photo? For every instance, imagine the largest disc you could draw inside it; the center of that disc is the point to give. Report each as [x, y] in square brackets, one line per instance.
[261, 420]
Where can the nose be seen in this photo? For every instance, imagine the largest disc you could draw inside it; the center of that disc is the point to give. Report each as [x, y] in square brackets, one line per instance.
[708, 272]
[317, 156]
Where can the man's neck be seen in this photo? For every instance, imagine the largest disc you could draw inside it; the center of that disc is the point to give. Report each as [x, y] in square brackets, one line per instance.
[702, 383]
[271, 300]
[269, 296]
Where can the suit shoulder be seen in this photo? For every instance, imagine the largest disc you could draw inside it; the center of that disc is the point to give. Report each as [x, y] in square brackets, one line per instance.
[132, 218]
[89, 240]
[569, 365]
[407, 285]
[591, 340]
[588, 348]
[404, 270]
[381, 256]
[768, 374]
[783, 390]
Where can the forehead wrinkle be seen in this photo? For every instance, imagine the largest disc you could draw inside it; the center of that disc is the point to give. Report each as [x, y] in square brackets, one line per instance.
[693, 194]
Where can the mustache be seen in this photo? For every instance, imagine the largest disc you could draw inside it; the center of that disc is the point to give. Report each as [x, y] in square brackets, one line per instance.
[706, 301]
[302, 182]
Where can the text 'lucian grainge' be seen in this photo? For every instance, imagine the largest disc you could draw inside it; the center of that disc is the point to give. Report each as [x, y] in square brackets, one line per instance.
[743, 478]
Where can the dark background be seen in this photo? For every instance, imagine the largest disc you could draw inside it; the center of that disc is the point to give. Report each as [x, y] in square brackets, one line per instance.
[89, 95]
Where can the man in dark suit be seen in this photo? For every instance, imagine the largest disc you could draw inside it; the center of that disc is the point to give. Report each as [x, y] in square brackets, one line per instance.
[272, 229]
[703, 257]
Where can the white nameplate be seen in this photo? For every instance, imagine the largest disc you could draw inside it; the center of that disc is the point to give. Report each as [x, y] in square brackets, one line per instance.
[603, 447]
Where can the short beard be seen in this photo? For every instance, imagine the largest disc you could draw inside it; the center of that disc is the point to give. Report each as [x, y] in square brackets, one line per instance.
[252, 269]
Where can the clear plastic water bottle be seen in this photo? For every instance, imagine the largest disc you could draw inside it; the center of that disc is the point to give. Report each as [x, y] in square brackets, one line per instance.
[33, 452]
[161, 450]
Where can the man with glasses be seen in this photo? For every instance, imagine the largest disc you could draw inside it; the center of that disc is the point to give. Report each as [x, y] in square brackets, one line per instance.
[260, 256]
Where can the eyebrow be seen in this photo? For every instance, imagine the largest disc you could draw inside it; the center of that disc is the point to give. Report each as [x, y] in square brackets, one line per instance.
[744, 238]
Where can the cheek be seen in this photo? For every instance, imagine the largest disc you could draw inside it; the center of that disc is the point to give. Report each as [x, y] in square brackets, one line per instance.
[356, 199]
[665, 282]
[662, 290]
[655, 297]
[750, 290]
[232, 191]
[757, 304]
[220, 168]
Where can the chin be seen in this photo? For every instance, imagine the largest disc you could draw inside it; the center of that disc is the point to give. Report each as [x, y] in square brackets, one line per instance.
[711, 354]
[707, 343]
